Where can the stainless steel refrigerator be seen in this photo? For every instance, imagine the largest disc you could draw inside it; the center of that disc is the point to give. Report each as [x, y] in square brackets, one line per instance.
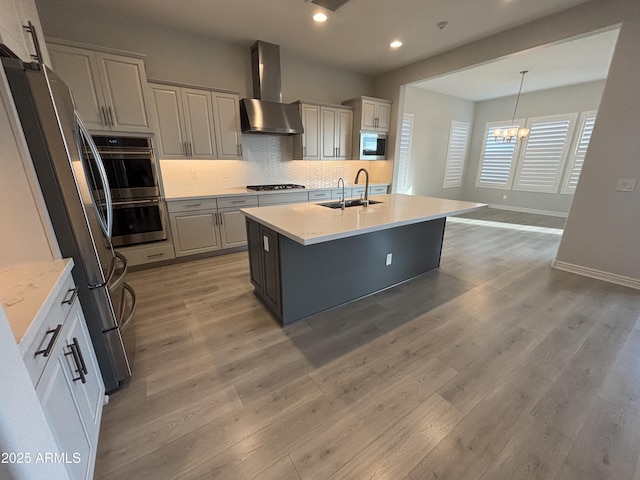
[76, 191]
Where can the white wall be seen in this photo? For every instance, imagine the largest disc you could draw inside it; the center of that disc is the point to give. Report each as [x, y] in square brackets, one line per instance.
[603, 229]
[575, 98]
[183, 57]
[433, 113]
[602, 235]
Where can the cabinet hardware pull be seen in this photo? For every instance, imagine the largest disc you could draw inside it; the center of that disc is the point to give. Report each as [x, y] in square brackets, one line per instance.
[30, 27]
[155, 255]
[215, 218]
[72, 298]
[81, 368]
[221, 221]
[104, 116]
[112, 123]
[239, 149]
[193, 205]
[47, 350]
[238, 201]
[189, 149]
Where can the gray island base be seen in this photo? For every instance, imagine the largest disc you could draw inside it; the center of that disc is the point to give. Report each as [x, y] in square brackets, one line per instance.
[350, 254]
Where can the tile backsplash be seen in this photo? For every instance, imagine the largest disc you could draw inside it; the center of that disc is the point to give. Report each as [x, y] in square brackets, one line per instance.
[266, 159]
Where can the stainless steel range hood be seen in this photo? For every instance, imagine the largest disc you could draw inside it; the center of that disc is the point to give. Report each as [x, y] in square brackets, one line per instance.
[265, 113]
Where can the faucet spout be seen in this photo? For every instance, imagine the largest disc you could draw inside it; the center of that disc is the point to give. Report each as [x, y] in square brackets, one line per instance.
[342, 199]
[365, 201]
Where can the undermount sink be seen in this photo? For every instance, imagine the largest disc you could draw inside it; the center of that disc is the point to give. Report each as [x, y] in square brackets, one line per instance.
[348, 203]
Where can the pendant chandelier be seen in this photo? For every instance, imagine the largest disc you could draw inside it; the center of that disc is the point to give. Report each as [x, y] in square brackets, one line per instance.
[513, 133]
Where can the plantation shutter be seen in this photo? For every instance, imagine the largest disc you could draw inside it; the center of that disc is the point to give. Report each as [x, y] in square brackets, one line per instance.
[544, 155]
[497, 158]
[456, 154]
[579, 152]
[404, 154]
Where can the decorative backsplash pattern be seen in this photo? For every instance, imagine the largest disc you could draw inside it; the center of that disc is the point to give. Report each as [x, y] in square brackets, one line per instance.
[267, 159]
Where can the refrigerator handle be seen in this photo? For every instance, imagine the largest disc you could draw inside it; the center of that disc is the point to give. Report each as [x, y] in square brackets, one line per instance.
[103, 175]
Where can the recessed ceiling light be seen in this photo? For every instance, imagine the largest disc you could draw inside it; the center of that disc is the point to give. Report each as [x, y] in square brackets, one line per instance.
[320, 17]
[395, 44]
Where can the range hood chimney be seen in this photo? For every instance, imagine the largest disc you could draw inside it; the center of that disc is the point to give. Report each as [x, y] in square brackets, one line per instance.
[265, 113]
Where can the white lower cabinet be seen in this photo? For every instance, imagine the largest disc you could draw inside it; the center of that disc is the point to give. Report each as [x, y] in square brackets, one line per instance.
[69, 384]
[209, 224]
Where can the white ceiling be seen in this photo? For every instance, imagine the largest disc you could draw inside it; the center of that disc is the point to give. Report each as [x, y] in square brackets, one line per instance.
[355, 37]
[574, 61]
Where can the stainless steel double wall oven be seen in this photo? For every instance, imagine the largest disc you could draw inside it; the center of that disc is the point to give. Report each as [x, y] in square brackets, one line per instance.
[138, 209]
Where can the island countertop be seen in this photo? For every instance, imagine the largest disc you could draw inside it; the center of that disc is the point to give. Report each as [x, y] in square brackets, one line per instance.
[311, 223]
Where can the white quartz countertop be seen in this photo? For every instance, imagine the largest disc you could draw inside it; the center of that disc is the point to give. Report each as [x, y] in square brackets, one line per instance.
[176, 192]
[28, 291]
[310, 223]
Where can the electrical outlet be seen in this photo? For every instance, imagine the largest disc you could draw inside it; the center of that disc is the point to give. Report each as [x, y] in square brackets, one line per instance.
[504, 197]
[626, 185]
[194, 175]
[389, 258]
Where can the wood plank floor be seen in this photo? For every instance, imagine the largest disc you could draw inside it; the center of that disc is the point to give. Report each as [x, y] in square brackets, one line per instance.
[495, 366]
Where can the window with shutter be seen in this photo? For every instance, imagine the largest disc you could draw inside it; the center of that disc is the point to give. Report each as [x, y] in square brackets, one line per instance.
[404, 154]
[456, 154]
[498, 157]
[544, 153]
[574, 167]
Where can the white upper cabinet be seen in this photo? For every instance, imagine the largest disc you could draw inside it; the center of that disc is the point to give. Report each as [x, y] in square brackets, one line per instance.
[16, 14]
[108, 89]
[307, 145]
[337, 125]
[226, 108]
[196, 123]
[371, 114]
[327, 132]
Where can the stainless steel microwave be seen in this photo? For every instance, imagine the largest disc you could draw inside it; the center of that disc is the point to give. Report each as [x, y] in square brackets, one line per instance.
[373, 146]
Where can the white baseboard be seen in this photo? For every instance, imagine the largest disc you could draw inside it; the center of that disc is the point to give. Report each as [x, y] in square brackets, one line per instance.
[529, 210]
[597, 274]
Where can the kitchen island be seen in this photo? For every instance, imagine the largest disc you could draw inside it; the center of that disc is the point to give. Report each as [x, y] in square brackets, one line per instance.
[306, 258]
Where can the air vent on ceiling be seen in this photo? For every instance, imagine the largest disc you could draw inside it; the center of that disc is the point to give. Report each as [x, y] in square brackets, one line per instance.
[333, 5]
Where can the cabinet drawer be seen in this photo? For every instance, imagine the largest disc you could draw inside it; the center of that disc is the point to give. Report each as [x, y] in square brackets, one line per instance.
[336, 193]
[150, 254]
[357, 191]
[378, 190]
[282, 198]
[238, 201]
[319, 195]
[190, 205]
[39, 351]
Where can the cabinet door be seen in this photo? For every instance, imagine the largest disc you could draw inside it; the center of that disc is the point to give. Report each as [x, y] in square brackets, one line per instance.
[56, 393]
[232, 228]
[78, 69]
[195, 232]
[271, 253]
[168, 107]
[226, 109]
[344, 128]
[256, 269]
[123, 80]
[311, 135]
[198, 119]
[89, 395]
[329, 140]
[383, 116]
[368, 114]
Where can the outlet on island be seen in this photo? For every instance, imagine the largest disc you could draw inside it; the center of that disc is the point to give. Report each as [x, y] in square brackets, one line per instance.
[389, 258]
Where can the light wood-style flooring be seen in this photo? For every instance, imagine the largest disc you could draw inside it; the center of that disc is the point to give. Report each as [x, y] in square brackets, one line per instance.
[493, 367]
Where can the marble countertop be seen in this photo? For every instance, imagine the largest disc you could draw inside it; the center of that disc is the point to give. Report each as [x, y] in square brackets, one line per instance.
[310, 223]
[27, 293]
[204, 191]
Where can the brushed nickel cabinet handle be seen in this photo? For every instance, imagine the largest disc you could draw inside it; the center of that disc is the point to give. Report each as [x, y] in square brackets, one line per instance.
[111, 116]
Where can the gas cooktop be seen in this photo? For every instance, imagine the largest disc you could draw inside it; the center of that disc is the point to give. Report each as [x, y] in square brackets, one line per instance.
[279, 186]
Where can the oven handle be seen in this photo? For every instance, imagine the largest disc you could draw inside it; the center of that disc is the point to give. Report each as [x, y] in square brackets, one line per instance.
[137, 202]
[105, 152]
